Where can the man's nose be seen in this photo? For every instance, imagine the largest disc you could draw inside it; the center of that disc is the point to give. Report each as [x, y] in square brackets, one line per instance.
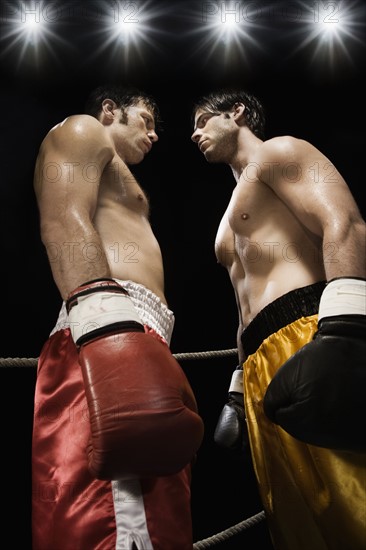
[195, 136]
[153, 136]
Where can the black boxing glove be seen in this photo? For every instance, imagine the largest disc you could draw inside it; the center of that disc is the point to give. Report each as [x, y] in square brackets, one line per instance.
[231, 430]
[318, 395]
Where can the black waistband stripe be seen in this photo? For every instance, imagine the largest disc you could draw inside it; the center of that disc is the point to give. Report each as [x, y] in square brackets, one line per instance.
[293, 305]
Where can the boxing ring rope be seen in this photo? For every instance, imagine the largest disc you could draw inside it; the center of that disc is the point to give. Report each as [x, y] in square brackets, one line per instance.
[234, 530]
[32, 361]
[219, 537]
[19, 362]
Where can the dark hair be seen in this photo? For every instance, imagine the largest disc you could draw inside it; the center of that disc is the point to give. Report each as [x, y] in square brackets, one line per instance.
[123, 96]
[224, 100]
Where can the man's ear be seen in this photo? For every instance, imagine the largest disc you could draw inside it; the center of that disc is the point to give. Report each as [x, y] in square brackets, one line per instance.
[108, 111]
[238, 112]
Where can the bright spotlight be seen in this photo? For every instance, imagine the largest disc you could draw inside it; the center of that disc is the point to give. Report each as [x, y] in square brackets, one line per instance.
[332, 28]
[228, 26]
[27, 29]
[126, 32]
[127, 26]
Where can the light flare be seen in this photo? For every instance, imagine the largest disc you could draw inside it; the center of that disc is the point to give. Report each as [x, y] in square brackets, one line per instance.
[27, 30]
[331, 29]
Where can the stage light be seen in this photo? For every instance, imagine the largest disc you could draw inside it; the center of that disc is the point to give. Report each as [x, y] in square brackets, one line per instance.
[332, 29]
[27, 30]
[127, 27]
[126, 32]
[226, 28]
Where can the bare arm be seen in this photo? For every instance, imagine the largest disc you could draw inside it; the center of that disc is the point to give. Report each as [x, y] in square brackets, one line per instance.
[67, 175]
[226, 256]
[313, 189]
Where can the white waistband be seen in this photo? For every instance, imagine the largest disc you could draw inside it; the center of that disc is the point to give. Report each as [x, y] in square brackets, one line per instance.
[151, 310]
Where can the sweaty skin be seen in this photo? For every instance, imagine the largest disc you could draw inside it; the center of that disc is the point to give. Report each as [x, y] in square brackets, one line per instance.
[94, 214]
[291, 220]
[94, 221]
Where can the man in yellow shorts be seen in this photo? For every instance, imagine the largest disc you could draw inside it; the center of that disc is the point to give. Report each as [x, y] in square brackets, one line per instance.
[293, 241]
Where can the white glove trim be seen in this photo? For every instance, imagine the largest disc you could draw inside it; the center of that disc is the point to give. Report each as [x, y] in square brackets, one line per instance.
[344, 296]
[236, 383]
[100, 309]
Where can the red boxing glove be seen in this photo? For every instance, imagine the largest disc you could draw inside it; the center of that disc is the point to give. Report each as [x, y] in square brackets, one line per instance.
[143, 413]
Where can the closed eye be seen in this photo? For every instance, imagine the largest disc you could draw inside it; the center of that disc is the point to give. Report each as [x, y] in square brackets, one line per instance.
[202, 120]
[149, 122]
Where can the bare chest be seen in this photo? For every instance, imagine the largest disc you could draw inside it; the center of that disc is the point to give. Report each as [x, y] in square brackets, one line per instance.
[120, 186]
[255, 220]
[251, 204]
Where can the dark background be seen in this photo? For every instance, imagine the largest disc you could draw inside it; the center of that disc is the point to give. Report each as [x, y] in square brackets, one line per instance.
[309, 90]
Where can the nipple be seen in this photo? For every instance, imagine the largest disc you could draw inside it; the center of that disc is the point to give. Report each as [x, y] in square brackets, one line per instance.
[244, 216]
[140, 197]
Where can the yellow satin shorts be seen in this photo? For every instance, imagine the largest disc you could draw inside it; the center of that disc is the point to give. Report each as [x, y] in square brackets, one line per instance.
[314, 498]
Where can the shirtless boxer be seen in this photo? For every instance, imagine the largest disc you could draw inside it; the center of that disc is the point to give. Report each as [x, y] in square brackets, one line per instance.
[293, 241]
[116, 424]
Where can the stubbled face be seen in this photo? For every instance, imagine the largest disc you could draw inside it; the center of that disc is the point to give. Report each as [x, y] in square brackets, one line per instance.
[134, 132]
[215, 135]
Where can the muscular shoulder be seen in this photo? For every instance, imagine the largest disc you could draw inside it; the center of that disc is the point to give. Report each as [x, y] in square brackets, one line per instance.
[78, 134]
[283, 148]
[76, 125]
[285, 158]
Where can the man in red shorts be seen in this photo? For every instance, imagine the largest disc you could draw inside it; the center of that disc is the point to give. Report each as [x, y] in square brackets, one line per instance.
[116, 424]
